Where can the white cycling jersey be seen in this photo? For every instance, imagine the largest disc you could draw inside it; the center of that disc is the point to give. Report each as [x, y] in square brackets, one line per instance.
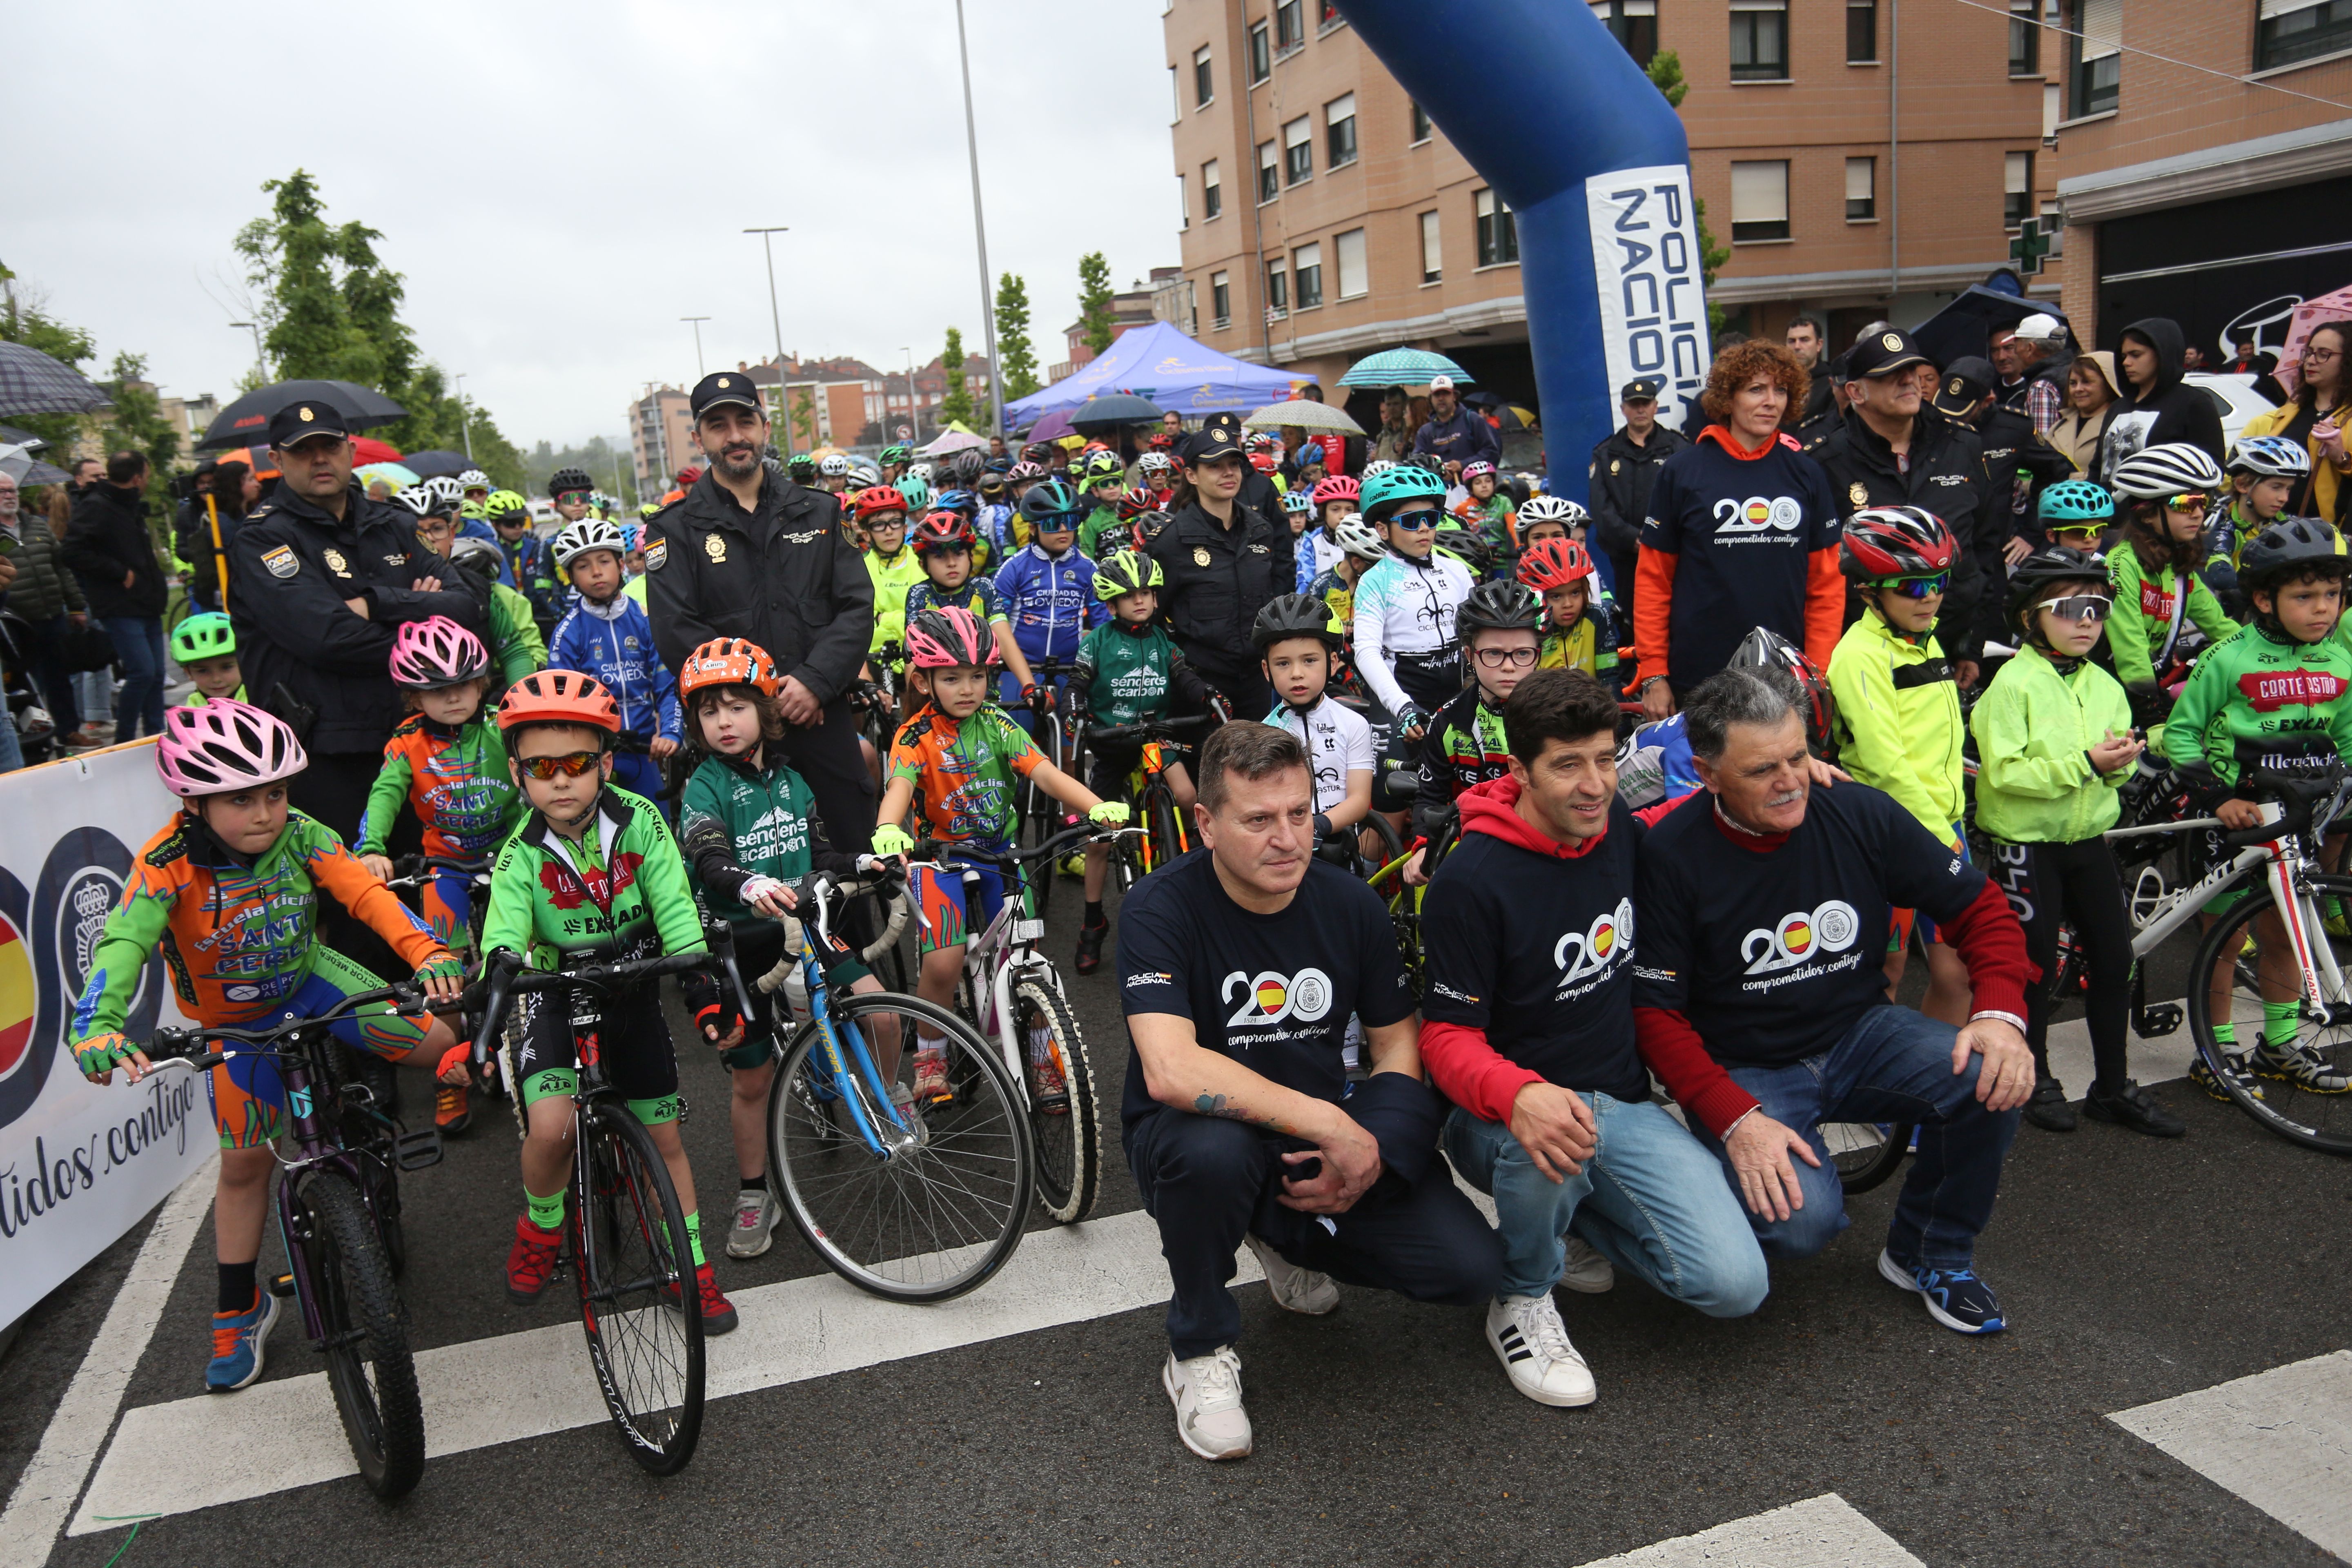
[1337, 742]
[1405, 606]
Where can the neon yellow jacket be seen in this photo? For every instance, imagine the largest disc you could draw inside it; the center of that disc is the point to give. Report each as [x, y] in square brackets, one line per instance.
[2034, 729]
[1898, 719]
[892, 578]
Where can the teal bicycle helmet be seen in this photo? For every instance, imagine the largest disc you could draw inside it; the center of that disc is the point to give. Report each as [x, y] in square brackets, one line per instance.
[2077, 500]
[1385, 492]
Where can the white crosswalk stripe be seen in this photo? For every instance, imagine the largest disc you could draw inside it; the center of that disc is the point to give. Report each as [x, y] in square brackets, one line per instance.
[1824, 1532]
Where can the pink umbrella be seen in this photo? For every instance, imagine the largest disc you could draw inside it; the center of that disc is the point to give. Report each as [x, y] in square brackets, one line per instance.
[2335, 306]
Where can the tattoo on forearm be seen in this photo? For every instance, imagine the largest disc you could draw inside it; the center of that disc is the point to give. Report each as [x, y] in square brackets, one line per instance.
[1220, 1105]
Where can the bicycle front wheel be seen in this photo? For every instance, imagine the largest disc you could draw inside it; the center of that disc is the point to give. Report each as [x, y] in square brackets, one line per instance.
[1864, 1154]
[2297, 1089]
[913, 1203]
[364, 1333]
[1064, 1121]
[639, 1300]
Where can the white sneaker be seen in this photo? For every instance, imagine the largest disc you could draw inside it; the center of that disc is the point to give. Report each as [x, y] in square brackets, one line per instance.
[1207, 1392]
[1531, 1341]
[1589, 1270]
[1294, 1288]
[754, 1229]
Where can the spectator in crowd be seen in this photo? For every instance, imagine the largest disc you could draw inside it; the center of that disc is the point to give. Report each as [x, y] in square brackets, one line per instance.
[2038, 356]
[233, 492]
[85, 474]
[2157, 407]
[1806, 339]
[1394, 441]
[1625, 466]
[46, 595]
[1455, 435]
[113, 553]
[2315, 417]
[2090, 387]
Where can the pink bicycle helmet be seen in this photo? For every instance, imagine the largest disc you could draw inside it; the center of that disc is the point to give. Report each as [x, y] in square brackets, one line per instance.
[434, 653]
[224, 746]
[1481, 469]
[1339, 486]
[945, 636]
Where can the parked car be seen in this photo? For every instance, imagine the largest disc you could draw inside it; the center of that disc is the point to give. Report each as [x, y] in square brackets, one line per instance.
[2235, 396]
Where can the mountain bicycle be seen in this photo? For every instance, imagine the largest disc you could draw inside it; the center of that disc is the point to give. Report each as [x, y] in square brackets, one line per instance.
[338, 1216]
[1037, 815]
[1163, 835]
[411, 872]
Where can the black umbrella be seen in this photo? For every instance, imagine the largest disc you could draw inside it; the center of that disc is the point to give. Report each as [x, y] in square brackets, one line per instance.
[33, 383]
[248, 419]
[1111, 410]
[1964, 329]
[439, 463]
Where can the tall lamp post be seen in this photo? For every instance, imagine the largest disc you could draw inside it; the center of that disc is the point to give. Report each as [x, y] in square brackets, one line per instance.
[464, 418]
[776, 317]
[260, 363]
[914, 427]
[698, 321]
[980, 231]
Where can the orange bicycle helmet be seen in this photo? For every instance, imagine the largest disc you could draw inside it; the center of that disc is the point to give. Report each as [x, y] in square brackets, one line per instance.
[727, 661]
[879, 498]
[558, 697]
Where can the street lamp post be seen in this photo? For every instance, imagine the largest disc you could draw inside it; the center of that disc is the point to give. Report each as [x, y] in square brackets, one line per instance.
[980, 231]
[260, 364]
[913, 427]
[465, 418]
[698, 321]
[776, 317]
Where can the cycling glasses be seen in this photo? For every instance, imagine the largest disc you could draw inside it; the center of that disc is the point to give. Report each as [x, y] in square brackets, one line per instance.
[1413, 520]
[2195, 501]
[2079, 607]
[1916, 587]
[1506, 658]
[570, 765]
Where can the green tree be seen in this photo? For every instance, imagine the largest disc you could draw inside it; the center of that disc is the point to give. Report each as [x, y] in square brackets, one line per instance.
[136, 423]
[1094, 301]
[804, 419]
[956, 406]
[600, 459]
[22, 321]
[1665, 71]
[1013, 345]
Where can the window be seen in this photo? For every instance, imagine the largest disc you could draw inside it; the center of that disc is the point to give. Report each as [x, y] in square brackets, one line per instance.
[1760, 40]
[1433, 265]
[1862, 32]
[1759, 200]
[1269, 173]
[1498, 230]
[1183, 206]
[1861, 190]
[1278, 292]
[1339, 130]
[1349, 253]
[1213, 191]
[1633, 23]
[2292, 31]
[2017, 189]
[2098, 57]
[1203, 83]
[1221, 299]
[1299, 151]
[1328, 16]
[1306, 275]
[2024, 38]
[1261, 56]
[1289, 28]
[1175, 95]
[1421, 127]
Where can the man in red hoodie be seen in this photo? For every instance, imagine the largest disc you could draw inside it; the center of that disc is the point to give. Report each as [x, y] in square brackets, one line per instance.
[1528, 1027]
[1758, 998]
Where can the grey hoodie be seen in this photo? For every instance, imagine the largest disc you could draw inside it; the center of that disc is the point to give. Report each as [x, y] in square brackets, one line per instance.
[2169, 410]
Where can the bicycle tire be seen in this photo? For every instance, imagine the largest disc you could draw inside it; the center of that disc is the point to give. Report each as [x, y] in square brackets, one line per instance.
[365, 1338]
[1167, 832]
[981, 1138]
[2279, 1106]
[1380, 828]
[1860, 1162]
[640, 1304]
[1068, 1140]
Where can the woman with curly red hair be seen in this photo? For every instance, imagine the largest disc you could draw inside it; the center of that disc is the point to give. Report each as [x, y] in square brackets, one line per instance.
[1742, 532]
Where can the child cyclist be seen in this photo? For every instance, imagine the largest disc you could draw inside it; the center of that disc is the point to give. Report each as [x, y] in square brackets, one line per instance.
[1297, 637]
[516, 647]
[1405, 604]
[1898, 706]
[889, 561]
[1501, 628]
[2166, 491]
[1359, 547]
[1577, 633]
[592, 873]
[2276, 696]
[1127, 670]
[228, 893]
[607, 634]
[1487, 510]
[747, 825]
[204, 645]
[944, 542]
[2076, 515]
[2265, 472]
[1048, 588]
[1319, 548]
[2054, 737]
[951, 773]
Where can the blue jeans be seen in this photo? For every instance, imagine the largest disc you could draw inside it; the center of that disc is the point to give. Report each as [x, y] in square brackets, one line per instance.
[1893, 1066]
[139, 649]
[1648, 1199]
[12, 752]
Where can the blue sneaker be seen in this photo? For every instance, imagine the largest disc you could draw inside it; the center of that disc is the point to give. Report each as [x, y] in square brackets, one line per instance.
[237, 1345]
[1956, 1297]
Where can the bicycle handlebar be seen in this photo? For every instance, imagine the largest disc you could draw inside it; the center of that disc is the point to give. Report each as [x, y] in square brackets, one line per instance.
[1146, 730]
[187, 1043]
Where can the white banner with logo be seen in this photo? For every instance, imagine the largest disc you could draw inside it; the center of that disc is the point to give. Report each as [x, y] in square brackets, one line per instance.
[79, 1166]
[1645, 267]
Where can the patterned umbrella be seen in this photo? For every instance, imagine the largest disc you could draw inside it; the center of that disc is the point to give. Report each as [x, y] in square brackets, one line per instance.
[21, 465]
[1403, 367]
[13, 436]
[33, 383]
[1305, 413]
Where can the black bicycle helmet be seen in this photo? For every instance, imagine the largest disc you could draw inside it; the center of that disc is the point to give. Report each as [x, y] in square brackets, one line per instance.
[1296, 615]
[2291, 544]
[565, 481]
[963, 468]
[1766, 650]
[1051, 504]
[1498, 607]
[2034, 575]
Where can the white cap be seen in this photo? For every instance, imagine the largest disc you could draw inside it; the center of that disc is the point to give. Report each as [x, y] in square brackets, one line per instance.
[1441, 383]
[2040, 327]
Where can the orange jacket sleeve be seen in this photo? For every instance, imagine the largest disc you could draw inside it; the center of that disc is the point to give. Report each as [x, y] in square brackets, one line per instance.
[1824, 606]
[1653, 607]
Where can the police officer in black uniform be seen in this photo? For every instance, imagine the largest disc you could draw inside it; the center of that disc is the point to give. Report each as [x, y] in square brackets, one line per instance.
[2019, 466]
[1624, 468]
[1222, 561]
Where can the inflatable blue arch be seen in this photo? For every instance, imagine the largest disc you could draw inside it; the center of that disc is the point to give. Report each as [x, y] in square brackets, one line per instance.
[1554, 114]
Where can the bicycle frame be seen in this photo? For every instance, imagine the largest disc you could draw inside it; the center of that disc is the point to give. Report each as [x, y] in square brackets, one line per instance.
[852, 1065]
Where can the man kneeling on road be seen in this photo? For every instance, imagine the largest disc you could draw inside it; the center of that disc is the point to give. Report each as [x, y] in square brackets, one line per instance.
[1529, 932]
[1759, 1001]
[1242, 965]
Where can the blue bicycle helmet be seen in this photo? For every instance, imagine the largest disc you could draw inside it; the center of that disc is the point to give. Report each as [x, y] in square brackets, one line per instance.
[2270, 457]
[2077, 500]
[956, 501]
[1298, 501]
[1386, 491]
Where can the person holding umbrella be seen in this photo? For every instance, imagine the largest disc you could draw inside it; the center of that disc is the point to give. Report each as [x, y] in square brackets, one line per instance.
[1455, 435]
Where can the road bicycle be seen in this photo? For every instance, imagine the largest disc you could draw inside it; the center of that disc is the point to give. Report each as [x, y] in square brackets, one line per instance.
[910, 1203]
[1163, 835]
[1038, 816]
[338, 1217]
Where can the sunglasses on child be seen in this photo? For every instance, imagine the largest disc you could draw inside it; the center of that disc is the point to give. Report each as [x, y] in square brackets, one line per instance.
[1918, 587]
[2194, 500]
[1414, 522]
[2079, 607]
[570, 765]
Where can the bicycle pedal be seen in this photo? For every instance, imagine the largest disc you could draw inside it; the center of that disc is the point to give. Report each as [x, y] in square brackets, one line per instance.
[2159, 1019]
[282, 1286]
[418, 1150]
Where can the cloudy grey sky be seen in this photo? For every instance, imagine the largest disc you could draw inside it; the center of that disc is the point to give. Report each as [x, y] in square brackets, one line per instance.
[560, 183]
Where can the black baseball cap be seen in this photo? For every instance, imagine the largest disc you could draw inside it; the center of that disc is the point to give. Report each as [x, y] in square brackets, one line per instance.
[1965, 382]
[298, 422]
[1640, 389]
[722, 387]
[1883, 353]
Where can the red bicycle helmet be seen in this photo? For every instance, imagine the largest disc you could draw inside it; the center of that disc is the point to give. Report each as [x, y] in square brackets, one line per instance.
[727, 661]
[1339, 486]
[1882, 541]
[879, 498]
[943, 530]
[560, 697]
[1134, 503]
[1552, 564]
[1765, 648]
[947, 637]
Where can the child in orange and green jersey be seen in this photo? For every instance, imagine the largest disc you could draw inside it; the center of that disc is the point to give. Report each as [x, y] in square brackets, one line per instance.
[228, 893]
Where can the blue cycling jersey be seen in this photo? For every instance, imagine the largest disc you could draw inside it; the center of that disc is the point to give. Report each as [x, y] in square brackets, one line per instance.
[613, 641]
[1051, 600]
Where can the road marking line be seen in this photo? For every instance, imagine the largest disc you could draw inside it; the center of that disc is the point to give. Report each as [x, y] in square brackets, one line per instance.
[285, 1434]
[45, 1492]
[2280, 1439]
[2150, 1061]
[1825, 1531]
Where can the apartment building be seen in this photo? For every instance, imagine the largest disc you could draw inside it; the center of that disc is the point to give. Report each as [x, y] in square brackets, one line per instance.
[1137, 307]
[661, 439]
[1854, 168]
[830, 402]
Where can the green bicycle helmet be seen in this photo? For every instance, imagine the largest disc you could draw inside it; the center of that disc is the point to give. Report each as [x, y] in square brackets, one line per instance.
[2075, 500]
[1126, 572]
[1385, 492]
[501, 503]
[1296, 615]
[465, 508]
[897, 455]
[206, 635]
[647, 508]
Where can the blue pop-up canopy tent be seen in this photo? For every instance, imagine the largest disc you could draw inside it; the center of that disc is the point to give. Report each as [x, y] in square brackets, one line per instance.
[1162, 364]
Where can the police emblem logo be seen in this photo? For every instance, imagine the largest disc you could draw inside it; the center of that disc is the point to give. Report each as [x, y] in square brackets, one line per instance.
[1891, 344]
[714, 547]
[1615, 464]
[281, 560]
[1954, 386]
[1856, 494]
[303, 415]
[1199, 555]
[335, 562]
[722, 381]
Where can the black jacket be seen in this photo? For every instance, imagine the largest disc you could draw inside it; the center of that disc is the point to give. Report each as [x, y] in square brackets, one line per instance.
[1622, 475]
[1946, 477]
[1217, 579]
[306, 655]
[2019, 465]
[191, 541]
[2170, 410]
[783, 575]
[107, 541]
[45, 587]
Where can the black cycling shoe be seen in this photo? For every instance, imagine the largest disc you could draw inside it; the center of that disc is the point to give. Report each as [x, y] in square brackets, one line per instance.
[1090, 941]
[2133, 1107]
[2048, 1108]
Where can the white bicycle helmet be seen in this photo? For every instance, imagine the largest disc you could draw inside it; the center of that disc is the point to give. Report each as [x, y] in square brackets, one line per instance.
[415, 498]
[2173, 469]
[1378, 466]
[443, 489]
[589, 534]
[1553, 509]
[1358, 538]
[863, 476]
[833, 465]
[473, 479]
[2270, 457]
